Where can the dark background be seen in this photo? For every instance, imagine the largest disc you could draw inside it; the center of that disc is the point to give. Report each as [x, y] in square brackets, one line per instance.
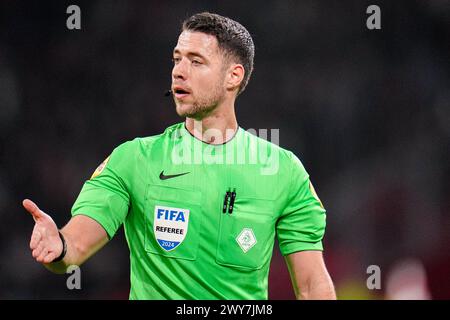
[368, 113]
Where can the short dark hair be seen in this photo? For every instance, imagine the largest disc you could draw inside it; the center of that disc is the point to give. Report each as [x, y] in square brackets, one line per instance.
[232, 38]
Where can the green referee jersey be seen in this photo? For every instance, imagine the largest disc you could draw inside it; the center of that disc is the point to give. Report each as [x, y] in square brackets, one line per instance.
[201, 220]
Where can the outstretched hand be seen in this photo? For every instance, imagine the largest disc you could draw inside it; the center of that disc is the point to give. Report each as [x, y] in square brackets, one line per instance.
[45, 242]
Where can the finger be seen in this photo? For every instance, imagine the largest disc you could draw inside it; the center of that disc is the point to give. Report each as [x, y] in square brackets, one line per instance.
[35, 238]
[32, 208]
[38, 250]
[49, 257]
[41, 257]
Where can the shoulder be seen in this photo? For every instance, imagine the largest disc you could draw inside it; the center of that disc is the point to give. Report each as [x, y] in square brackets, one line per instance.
[272, 149]
[143, 145]
[131, 157]
[274, 160]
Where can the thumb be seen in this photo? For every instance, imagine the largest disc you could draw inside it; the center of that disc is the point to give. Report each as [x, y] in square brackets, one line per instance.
[32, 208]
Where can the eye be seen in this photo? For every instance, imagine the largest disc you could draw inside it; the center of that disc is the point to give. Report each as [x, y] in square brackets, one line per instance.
[176, 60]
[196, 62]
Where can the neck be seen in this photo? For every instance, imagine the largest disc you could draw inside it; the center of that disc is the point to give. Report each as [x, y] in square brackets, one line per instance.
[218, 127]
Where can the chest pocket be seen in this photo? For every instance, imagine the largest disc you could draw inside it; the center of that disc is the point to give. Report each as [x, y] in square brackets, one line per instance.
[173, 220]
[246, 236]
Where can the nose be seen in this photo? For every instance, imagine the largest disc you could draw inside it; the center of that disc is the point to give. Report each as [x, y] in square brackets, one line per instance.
[179, 70]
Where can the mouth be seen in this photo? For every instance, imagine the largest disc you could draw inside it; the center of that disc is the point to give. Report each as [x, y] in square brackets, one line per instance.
[180, 93]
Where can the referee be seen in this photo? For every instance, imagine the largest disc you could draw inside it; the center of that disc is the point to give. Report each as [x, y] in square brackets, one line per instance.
[201, 203]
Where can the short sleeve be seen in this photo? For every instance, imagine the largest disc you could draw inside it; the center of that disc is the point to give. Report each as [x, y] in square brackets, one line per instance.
[104, 197]
[301, 225]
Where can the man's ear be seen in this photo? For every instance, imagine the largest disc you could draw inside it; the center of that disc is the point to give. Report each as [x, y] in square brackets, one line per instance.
[235, 75]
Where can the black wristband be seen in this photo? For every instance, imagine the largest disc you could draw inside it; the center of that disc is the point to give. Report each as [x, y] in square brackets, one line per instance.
[64, 251]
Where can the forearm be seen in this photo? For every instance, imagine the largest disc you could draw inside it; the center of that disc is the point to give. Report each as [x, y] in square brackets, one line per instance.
[80, 246]
[82, 235]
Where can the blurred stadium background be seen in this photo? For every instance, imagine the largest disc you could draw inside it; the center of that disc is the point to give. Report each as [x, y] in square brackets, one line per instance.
[368, 112]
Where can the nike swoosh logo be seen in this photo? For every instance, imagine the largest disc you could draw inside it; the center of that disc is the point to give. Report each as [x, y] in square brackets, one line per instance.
[162, 176]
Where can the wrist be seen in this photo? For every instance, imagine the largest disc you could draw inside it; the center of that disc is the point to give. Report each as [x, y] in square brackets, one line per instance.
[64, 248]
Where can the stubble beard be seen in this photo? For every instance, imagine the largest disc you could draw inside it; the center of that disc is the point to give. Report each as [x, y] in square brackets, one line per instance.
[202, 106]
